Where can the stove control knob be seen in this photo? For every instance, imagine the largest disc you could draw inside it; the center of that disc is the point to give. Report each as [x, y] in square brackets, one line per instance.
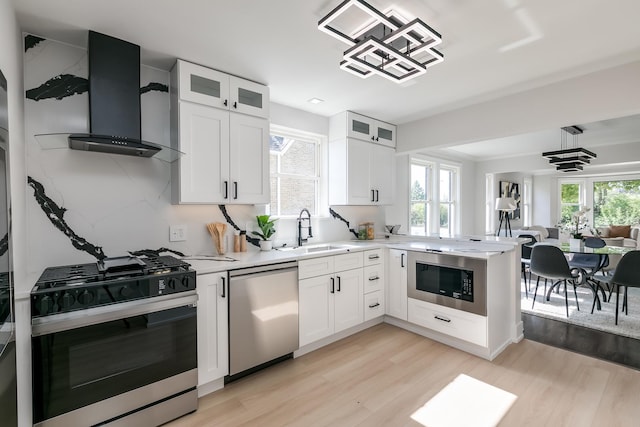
[67, 300]
[126, 291]
[45, 305]
[85, 297]
[171, 283]
[186, 282]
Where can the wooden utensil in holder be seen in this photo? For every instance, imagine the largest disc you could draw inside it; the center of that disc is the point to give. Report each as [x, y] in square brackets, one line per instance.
[217, 231]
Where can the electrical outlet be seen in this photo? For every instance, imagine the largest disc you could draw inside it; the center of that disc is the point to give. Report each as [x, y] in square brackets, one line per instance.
[178, 233]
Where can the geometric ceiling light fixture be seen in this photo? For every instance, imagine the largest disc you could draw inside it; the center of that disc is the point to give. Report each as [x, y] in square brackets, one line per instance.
[384, 44]
[569, 159]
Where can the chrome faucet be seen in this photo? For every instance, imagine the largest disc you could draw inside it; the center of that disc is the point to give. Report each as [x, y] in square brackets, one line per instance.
[308, 227]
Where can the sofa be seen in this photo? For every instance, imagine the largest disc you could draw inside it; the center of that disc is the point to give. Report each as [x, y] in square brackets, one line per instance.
[620, 235]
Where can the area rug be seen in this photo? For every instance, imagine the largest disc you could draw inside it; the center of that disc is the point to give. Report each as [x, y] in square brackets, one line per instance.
[604, 320]
[464, 402]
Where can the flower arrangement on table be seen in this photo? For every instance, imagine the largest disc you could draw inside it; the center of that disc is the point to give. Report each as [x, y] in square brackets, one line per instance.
[579, 221]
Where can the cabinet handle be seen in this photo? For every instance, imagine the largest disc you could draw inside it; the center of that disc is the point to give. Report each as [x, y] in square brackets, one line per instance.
[226, 190]
[235, 104]
[443, 319]
[371, 279]
[377, 196]
[374, 256]
[373, 138]
[226, 103]
[333, 282]
[377, 138]
[224, 286]
[374, 305]
[373, 195]
[235, 189]
[402, 260]
[338, 283]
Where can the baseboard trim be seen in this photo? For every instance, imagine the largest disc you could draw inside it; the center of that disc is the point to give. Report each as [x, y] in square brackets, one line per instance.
[336, 337]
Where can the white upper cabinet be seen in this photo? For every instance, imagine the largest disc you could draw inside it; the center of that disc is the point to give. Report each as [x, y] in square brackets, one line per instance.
[352, 125]
[220, 90]
[360, 173]
[218, 122]
[248, 160]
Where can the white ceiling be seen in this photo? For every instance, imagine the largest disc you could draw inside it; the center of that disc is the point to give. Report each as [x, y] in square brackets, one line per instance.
[492, 48]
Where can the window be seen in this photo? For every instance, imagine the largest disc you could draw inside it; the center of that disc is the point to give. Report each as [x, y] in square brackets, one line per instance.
[571, 200]
[616, 202]
[434, 198]
[448, 198]
[295, 171]
[421, 201]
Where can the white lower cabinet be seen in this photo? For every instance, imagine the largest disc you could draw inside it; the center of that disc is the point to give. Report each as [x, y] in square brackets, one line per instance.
[329, 302]
[455, 323]
[373, 305]
[213, 354]
[374, 280]
[396, 284]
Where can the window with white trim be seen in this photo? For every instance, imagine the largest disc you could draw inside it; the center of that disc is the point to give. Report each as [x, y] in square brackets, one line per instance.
[434, 198]
[295, 159]
[572, 199]
[421, 201]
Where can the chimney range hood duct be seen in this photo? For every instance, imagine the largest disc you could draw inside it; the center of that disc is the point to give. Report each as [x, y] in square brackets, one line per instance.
[114, 100]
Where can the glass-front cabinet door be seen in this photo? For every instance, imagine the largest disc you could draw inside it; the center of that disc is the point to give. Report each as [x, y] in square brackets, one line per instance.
[203, 85]
[248, 97]
[385, 134]
[360, 127]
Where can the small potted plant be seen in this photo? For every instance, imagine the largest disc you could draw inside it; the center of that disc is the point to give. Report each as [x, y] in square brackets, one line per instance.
[265, 223]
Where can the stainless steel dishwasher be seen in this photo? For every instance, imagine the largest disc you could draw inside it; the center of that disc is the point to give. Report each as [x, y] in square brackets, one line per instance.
[263, 317]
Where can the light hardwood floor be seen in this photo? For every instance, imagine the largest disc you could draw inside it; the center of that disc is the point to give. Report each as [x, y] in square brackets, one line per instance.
[380, 376]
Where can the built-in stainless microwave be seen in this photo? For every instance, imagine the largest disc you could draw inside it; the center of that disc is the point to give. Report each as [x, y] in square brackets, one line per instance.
[453, 281]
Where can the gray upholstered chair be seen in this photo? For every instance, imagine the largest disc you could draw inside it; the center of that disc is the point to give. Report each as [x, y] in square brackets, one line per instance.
[626, 274]
[549, 262]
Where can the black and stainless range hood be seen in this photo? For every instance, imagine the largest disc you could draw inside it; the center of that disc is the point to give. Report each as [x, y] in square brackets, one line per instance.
[114, 100]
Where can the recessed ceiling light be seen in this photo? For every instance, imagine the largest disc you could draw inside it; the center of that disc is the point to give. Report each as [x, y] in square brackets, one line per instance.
[316, 100]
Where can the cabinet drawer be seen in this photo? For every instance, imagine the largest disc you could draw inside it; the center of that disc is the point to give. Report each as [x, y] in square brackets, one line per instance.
[373, 305]
[458, 324]
[315, 267]
[373, 277]
[373, 256]
[348, 261]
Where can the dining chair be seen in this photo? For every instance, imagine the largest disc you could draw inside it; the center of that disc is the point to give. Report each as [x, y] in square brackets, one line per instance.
[590, 264]
[625, 274]
[525, 259]
[549, 262]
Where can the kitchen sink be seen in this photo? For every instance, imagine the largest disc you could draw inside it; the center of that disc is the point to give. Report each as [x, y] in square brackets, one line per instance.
[315, 248]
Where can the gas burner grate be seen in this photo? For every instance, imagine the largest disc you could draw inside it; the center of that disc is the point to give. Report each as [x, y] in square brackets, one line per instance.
[164, 263]
[67, 275]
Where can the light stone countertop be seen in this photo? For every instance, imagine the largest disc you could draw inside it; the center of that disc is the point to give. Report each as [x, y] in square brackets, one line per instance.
[469, 247]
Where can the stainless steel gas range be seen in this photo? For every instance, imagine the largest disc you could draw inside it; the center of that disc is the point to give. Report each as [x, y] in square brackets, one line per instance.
[114, 343]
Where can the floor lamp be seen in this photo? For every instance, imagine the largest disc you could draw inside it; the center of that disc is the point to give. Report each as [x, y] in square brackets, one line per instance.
[505, 205]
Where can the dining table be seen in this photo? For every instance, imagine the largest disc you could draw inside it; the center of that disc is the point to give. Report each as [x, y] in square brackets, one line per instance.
[605, 250]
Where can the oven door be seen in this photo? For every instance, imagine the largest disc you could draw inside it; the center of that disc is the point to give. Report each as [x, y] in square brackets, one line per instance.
[88, 356]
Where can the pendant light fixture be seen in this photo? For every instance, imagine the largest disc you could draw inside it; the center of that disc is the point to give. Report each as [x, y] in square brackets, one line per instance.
[569, 159]
[387, 45]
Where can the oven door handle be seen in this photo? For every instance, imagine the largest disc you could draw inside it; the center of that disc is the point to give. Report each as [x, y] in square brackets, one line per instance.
[93, 316]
